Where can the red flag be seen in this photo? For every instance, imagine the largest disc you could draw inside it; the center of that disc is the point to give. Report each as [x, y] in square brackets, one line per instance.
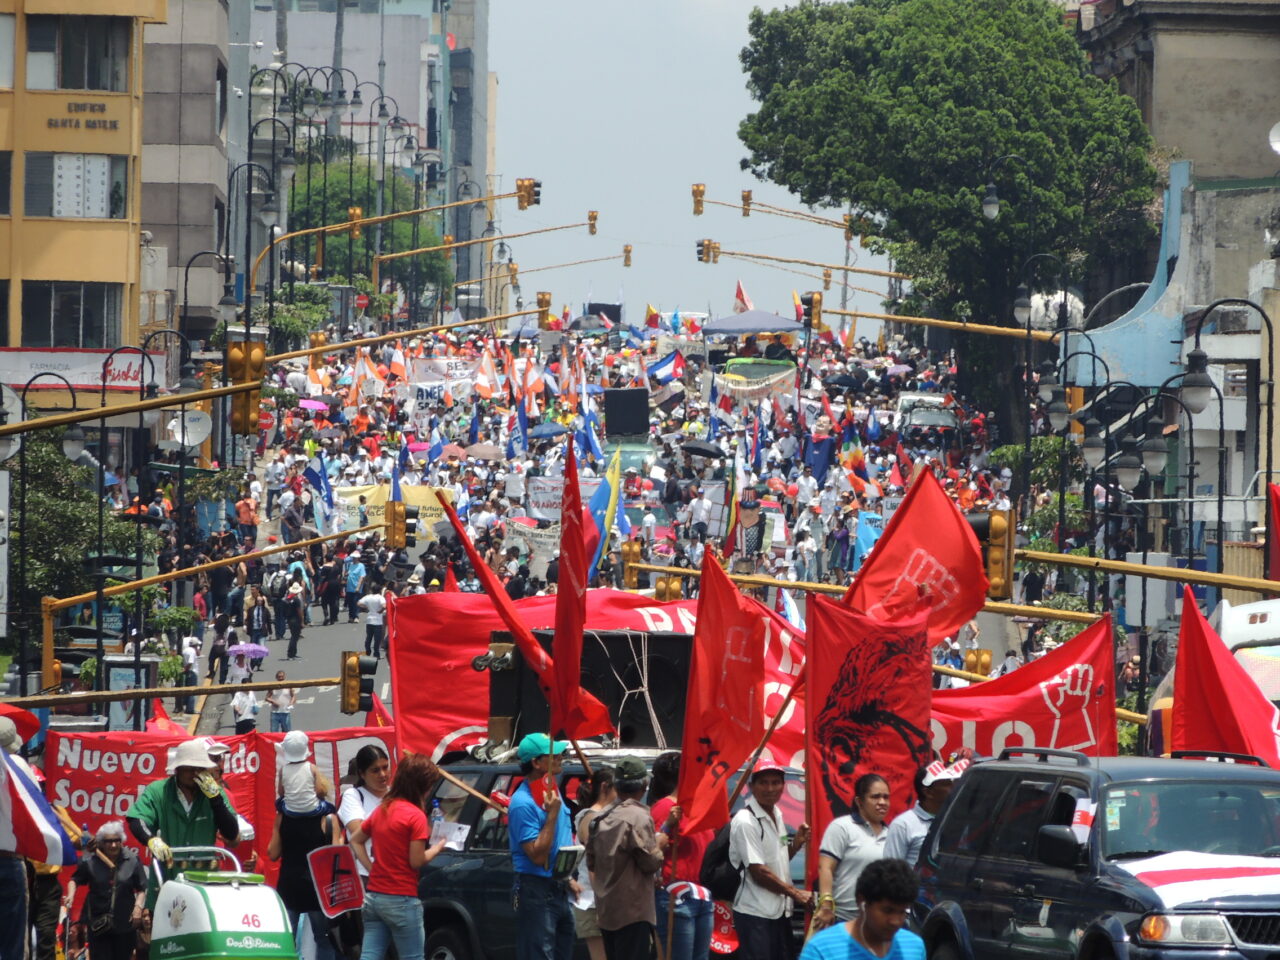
[160, 722]
[450, 581]
[1273, 497]
[928, 556]
[741, 302]
[724, 712]
[1065, 700]
[1216, 704]
[596, 714]
[867, 687]
[379, 715]
[571, 608]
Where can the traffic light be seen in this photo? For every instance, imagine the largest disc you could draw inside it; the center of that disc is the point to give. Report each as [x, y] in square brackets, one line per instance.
[746, 203]
[513, 271]
[592, 217]
[826, 279]
[535, 192]
[409, 525]
[357, 682]
[699, 191]
[811, 307]
[715, 251]
[544, 309]
[318, 340]
[704, 251]
[395, 524]
[626, 254]
[631, 552]
[668, 588]
[848, 227]
[978, 660]
[246, 363]
[995, 531]
[522, 195]
[355, 213]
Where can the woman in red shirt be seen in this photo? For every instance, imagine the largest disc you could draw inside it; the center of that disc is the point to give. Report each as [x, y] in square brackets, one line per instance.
[392, 910]
[693, 916]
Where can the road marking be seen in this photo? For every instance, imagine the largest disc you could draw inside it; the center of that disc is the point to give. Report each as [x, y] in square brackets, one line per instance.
[328, 689]
[386, 691]
[306, 700]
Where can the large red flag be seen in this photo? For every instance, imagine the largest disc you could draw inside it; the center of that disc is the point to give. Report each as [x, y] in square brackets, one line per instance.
[724, 710]
[596, 714]
[929, 557]
[571, 608]
[1273, 541]
[1216, 704]
[450, 579]
[867, 687]
[1065, 700]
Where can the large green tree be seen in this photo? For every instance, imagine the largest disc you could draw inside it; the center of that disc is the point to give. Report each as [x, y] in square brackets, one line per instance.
[900, 110]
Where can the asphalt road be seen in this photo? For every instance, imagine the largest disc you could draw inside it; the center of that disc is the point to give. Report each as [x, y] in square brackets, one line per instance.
[317, 708]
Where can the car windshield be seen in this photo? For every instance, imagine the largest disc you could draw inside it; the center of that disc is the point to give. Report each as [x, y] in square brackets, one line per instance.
[1202, 816]
[931, 417]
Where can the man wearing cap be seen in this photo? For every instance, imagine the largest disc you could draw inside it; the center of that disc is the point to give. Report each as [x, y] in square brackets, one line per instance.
[907, 831]
[539, 827]
[188, 808]
[759, 846]
[623, 856]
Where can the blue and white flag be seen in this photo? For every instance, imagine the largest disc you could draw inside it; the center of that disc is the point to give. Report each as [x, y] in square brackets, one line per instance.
[28, 825]
[317, 475]
[397, 495]
[670, 367]
[437, 446]
[791, 610]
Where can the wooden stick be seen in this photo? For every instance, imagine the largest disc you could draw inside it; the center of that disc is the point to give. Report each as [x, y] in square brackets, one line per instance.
[773, 725]
[582, 757]
[471, 790]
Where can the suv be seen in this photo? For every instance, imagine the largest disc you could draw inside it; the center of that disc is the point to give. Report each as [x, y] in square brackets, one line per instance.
[466, 895]
[1179, 861]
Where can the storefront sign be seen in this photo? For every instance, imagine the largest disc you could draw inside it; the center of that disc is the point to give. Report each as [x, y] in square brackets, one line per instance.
[83, 368]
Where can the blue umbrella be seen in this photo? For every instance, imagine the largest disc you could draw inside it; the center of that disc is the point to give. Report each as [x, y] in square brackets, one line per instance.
[545, 430]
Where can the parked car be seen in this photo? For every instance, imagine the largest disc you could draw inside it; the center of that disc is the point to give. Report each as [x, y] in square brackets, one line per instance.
[466, 895]
[1049, 853]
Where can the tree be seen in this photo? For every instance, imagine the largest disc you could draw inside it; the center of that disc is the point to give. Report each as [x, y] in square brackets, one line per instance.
[322, 193]
[899, 109]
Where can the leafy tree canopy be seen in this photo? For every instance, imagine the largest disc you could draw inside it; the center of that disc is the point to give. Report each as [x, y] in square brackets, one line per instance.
[899, 109]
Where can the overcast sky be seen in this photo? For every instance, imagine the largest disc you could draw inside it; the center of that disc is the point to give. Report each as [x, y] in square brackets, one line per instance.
[621, 106]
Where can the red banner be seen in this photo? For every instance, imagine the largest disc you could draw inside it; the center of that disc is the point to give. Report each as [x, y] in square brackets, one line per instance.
[1065, 700]
[96, 776]
[868, 683]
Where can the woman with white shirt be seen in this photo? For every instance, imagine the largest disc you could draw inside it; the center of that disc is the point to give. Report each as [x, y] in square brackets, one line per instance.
[848, 845]
[372, 772]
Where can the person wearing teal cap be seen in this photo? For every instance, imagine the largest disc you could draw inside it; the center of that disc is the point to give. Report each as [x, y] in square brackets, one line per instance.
[539, 827]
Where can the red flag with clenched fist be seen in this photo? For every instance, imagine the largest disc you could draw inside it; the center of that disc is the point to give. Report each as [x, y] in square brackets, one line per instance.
[867, 689]
[571, 608]
[928, 557]
[595, 714]
[1216, 704]
[724, 712]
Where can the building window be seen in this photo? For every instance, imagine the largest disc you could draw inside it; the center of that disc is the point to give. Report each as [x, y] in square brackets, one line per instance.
[6, 50]
[220, 99]
[76, 185]
[78, 53]
[71, 314]
[6, 179]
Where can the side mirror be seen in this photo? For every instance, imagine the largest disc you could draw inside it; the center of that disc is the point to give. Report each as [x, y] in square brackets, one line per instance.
[1057, 846]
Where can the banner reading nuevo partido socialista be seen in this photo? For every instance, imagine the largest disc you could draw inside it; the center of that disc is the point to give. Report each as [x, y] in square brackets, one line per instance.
[97, 776]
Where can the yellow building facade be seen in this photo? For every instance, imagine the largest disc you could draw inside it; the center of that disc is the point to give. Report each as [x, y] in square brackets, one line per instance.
[70, 193]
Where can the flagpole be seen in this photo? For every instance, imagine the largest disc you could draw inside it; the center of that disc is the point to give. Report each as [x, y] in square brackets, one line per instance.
[773, 725]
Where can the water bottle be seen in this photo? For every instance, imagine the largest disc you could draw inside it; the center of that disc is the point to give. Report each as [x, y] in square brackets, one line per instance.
[437, 815]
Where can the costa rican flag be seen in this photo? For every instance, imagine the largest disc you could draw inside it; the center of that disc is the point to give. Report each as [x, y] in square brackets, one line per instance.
[683, 890]
[28, 825]
[668, 368]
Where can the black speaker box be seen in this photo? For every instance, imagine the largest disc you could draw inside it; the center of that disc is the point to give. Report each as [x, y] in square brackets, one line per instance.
[626, 412]
[613, 669]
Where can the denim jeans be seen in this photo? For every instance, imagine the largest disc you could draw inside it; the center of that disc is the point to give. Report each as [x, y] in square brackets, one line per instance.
[391, 918]
[694, 919]
[13, 908]
[318, 927]
[544, 920]
[281, 722]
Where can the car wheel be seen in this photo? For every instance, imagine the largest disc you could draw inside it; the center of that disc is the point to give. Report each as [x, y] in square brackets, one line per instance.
[946, 949]
[447, 943]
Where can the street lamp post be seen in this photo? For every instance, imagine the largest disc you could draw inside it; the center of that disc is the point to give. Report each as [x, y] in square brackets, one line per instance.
[1022, 312]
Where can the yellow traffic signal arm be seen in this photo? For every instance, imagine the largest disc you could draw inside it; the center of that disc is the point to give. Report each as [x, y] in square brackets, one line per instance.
[346, 225]
[983, 328]
[1176, 574]
[815, 263]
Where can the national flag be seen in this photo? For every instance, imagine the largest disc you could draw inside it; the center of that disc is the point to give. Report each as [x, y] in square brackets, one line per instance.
[397, 495]
[789, 609]
[588, 437]
[473, 431]
[652, 318]
[28, 825]
[406, 458]
[450, 579]
[1216, 704]
[603, 507]
[870, 530]
[486, 381]
[605, 321]
[396, 367]
[595, 714]
[795, 297]
[437, 446]
[927, 557]
[741, 302]
[571, 608]
[159, 722]
[670, 367]
[867, 690]
[317, 475]
[724, 704]
[874, 430]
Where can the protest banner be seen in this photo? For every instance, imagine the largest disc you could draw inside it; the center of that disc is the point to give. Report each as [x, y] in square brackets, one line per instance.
[376, 495]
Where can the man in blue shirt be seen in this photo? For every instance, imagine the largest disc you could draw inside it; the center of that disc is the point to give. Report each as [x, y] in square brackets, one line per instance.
[537, 831]
[355, 584]
[884, 891]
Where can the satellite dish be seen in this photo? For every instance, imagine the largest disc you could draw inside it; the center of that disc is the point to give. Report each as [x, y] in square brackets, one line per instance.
[1274, 138]
[191, 428]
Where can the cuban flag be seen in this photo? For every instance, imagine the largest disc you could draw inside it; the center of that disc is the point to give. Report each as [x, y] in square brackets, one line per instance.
[670, 367]
[787, 608]
[28, 825]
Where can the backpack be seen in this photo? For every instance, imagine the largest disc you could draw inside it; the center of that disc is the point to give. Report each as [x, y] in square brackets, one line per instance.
[278, 585]
[718, 874]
